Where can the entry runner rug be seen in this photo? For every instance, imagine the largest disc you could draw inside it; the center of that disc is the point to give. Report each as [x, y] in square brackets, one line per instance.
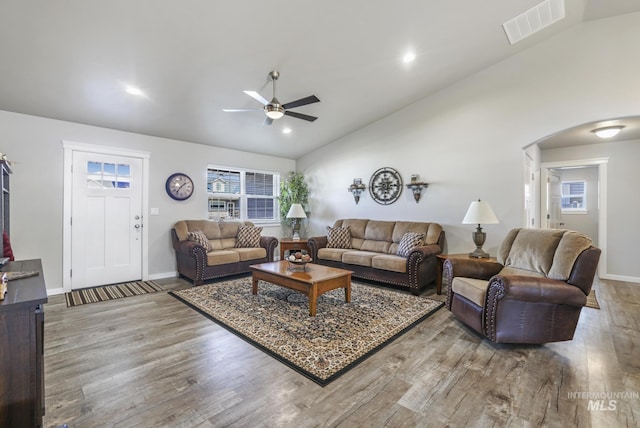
[340, 336]
[110, 292]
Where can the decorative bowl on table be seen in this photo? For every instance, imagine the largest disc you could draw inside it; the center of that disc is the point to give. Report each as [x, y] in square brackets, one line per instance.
[298, 263]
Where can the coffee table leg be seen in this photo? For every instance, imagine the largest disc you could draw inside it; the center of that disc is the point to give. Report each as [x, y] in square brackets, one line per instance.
[347, 292]
[313, 299]
[254, 284]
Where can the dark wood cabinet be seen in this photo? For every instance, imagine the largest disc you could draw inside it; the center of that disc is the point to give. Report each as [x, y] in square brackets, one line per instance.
[22, 347]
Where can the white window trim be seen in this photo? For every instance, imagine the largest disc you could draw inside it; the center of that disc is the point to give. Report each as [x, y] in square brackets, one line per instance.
[584, 200]
[243, 199]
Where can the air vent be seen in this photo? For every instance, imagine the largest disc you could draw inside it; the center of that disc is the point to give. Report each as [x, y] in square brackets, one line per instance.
[533, 20]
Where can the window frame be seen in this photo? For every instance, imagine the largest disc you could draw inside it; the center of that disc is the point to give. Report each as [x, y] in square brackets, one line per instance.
[583, 195]
[243, 196]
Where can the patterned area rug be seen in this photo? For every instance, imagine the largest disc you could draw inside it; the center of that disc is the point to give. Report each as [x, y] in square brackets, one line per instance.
[323, 347]
[110, 292]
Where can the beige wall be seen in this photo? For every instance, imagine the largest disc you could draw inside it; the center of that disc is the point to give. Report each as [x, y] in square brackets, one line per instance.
[467, 140]
[35, 146]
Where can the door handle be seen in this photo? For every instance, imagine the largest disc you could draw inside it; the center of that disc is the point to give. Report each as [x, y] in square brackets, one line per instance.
[137, 226]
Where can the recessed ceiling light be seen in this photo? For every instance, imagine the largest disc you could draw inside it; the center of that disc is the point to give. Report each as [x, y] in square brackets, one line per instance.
[134, 90]
[607, 131]
[409, 57]
[286, 131]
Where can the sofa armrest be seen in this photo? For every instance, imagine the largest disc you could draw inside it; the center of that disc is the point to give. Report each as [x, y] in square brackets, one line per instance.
[469, 268]
[316, 243]
[426, 251]
[269, 243]
[537, 290]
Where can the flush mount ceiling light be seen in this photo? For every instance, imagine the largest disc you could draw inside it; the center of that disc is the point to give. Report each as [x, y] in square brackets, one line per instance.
[608, 131]
[409, 57]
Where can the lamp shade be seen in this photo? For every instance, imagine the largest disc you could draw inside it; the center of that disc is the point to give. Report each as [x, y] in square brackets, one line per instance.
[480, 212]
[296, 211]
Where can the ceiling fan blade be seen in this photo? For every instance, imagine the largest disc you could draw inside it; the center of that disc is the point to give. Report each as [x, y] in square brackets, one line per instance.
[256, 96]
[301, 102]
[267, 121]
[300, 116]
[235, 110]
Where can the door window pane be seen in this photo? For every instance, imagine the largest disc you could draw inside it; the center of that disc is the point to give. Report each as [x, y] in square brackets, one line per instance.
[108, 175]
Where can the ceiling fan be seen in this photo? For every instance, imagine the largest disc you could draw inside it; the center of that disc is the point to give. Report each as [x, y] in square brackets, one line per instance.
[273, 109]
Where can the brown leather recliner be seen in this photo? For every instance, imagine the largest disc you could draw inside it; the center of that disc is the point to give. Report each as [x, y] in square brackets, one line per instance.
[533, 294]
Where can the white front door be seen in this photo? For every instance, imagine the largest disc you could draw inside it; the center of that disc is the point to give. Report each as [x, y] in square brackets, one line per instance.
[106, 219]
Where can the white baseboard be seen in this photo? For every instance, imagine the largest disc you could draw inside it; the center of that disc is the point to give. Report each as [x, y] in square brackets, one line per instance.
[55, 291]
[163, 275]
[621, 278]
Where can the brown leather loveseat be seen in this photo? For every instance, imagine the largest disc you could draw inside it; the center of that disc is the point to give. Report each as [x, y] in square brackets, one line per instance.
[402, 253]
[533, 294]
[211, 249]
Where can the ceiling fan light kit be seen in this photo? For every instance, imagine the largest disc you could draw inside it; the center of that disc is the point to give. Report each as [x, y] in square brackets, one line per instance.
[273, 109]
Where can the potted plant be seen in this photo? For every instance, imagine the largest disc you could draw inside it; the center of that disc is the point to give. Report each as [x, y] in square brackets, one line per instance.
[293, 190]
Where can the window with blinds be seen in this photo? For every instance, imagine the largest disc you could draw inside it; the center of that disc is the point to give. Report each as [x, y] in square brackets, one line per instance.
[242, 194]
[574, 196]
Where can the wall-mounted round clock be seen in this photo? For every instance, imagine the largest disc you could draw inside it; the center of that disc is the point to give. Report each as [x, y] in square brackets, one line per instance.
[385, 186]
[179, 186]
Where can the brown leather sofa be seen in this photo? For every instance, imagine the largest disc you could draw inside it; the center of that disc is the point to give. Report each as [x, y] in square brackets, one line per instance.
[535, 291]
[372, 252]
[199, 265]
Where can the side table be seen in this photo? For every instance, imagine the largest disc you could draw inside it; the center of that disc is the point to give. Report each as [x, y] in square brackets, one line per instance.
[442, 257]
[291, 244]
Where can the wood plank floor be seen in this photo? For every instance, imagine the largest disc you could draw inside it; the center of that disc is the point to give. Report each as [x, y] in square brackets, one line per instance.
[150, 361]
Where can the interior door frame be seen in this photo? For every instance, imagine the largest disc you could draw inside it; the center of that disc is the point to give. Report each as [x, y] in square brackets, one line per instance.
[602, 164]
[69, 147]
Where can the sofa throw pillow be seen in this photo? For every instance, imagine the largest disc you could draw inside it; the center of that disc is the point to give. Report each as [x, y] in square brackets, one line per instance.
[409, 241]
[248, 237]
[338, 237]
[199, 237]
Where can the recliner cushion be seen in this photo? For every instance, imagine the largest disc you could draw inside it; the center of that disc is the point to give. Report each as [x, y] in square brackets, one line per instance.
[569, 248]
[473, 289]
[534, 249]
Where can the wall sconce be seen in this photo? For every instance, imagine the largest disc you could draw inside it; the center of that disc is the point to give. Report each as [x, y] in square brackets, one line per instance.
[416, 187]
[356, 189]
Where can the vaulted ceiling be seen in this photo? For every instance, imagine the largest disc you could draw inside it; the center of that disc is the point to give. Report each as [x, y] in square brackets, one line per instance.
[72, 60]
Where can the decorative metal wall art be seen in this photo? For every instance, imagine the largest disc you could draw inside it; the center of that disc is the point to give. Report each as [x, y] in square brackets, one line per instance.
[385, 186]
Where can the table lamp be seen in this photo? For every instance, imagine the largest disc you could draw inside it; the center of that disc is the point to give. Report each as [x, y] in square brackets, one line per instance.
[296, 212]
[479, 212]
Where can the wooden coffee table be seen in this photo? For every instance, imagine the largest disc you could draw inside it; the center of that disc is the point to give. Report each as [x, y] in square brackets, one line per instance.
[313, 281]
